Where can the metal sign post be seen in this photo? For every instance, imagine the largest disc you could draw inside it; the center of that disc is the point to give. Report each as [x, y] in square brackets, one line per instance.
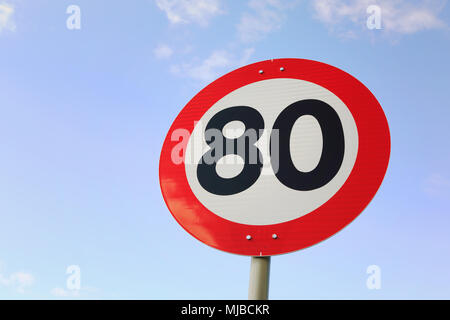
[258, 288]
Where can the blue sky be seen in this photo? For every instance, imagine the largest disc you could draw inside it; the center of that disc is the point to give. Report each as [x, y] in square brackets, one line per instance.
[84, 114]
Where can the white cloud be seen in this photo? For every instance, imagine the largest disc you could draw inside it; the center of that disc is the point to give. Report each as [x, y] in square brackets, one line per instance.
[83, 292]
[19, 281]
[265, 17]
[437, 185]
[60, 292]
[186, 11]
[163, 52]
[6, 17]
[412, 19]
[216, 64]
[397, 16]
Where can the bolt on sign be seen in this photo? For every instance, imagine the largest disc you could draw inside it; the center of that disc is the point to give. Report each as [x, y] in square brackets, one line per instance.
[274, 157]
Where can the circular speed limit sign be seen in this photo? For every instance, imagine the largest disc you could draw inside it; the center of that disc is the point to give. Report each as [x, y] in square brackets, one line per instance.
[274, 157]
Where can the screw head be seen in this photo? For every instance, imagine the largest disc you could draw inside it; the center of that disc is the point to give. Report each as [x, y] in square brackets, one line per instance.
[282, 69]
[261, 71]
[248, 237]
[274, 236]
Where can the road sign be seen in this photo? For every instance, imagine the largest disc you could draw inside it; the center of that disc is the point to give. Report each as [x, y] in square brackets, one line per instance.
[274, 157]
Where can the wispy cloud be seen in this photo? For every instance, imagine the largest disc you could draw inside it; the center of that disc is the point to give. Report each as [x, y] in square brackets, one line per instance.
[265, 16]
[397, 16]
[262, 17]
[84, 292]
[437, 185]
[6, 17]
[163, 51]
[186, 11]
[60, 292]
[214, 65]
[18, 281]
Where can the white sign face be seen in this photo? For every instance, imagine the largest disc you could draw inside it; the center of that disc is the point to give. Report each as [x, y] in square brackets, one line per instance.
[267, 201]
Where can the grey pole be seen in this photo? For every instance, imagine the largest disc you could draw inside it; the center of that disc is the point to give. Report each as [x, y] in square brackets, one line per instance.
[258, 288]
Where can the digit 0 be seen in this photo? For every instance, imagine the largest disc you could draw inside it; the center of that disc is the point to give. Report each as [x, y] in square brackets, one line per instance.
[332, 149]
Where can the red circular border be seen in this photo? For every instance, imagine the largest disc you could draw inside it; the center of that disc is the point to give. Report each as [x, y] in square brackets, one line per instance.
[350, 200]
